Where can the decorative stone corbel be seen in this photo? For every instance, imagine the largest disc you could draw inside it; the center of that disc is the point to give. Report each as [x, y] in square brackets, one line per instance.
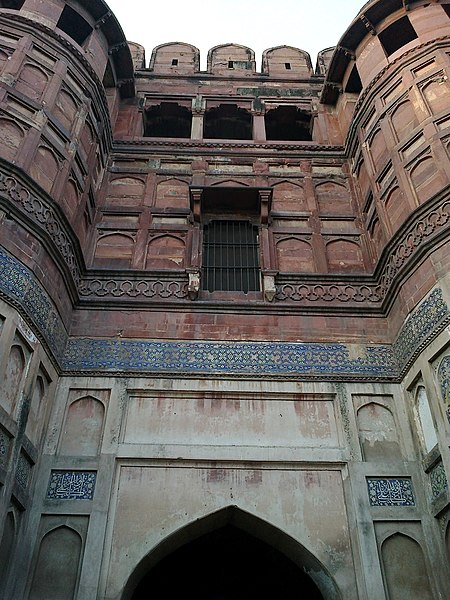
[269, 287]
[194, 284]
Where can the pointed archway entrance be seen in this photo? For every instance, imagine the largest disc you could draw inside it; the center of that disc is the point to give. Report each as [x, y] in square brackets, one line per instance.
[230, 555]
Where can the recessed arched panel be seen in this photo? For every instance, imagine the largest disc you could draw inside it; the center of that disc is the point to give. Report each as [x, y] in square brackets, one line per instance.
[378, 149]
[11, 136]
[32, 81]
[83, 429]
[436, 94]
[378, 433]
[427, 431]
[344, 256]
[165, 252]
[13, 379]
[333, 198]
[295, 256]
[44, 168]
[396, 207]
[172, 193]
[6, 546]
[71, 199]
[37, 408]
[114, 250]
[425, 178]
[56, 572]
[65, 109]
[231, 555]
[4, 57]
[126, 191]
[404, 120]
[404, 569]
[288, 197]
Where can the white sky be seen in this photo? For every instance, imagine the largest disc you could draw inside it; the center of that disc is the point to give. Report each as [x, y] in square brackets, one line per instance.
[311, 25]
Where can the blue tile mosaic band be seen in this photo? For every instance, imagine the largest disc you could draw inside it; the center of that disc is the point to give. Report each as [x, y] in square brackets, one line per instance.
[381, 362]
[390, 492]
[235, 357]
[71, 485]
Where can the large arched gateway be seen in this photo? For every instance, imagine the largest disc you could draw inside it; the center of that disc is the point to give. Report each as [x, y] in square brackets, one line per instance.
[230, 555]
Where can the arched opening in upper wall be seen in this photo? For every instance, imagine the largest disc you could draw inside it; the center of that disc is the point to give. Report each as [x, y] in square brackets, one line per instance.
[227, 122]
[288, 123]
[169, 120]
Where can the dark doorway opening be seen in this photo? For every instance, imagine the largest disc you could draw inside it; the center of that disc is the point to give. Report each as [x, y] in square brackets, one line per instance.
[226, 564]
[169, 120]
[288, 123]
[227, 122]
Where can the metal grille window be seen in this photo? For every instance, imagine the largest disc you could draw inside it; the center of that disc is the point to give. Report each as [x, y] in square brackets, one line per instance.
[230, 256]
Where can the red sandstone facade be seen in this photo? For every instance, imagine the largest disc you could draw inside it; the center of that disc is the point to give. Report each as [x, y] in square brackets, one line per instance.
[235, 241]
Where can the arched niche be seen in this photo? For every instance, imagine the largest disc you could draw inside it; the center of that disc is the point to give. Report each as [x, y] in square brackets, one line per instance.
[11, 136]
[404, 119]
[405, 569]
[45, 167]
[83, 428]
[32, 81]
[4, 57]
[7, 546]
[425, 178]
[436, 94]
[295, 256]
[378, 149]
[289, 197]
[114, 250]
[37, 408]
[427, 432]
[233, 547]
[172, 193]
[378, 433]
[12, 382]
[126, 190]
[344, 256]
[165, 252]
[66, 109]
[56, 571]
[333, 198]
[397, 207]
